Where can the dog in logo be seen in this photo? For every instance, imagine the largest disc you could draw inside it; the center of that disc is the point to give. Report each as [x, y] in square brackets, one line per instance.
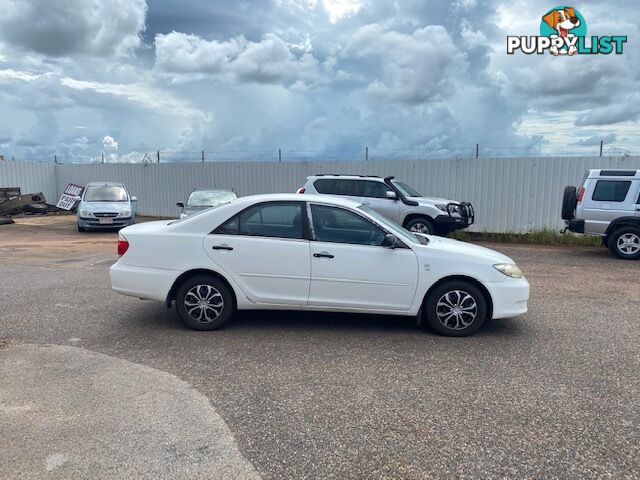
[562, 21]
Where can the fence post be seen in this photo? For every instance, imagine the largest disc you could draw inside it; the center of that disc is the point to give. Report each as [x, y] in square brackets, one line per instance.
[601, 145]
[366, 154]
[279, 154]
[477, 150]
[158, 155]
[202, 156]
[102, 157]
[55, 159]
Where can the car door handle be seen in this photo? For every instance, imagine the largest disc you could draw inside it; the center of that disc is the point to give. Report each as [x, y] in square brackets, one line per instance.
[222, 247]
[323, 255]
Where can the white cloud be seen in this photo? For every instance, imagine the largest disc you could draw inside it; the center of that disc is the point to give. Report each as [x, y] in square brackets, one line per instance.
[61, 28]
[109, 143]
[269, 61]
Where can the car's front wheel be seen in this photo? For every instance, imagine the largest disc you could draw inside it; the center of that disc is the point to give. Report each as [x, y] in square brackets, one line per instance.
[421, 225]
[455, 309]
[81, 229]
[625, 243]
[204, 303]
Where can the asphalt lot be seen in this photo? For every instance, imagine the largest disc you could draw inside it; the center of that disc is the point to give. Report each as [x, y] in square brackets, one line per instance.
[553, 394]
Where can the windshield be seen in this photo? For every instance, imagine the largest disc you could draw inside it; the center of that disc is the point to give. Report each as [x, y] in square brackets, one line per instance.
[405, 189]
[394, 228]
[105, 193]
[209, 198]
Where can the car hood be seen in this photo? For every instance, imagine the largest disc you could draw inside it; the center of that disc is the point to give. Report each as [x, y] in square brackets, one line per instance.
[465, 249]
[426, 201]
[107, 207]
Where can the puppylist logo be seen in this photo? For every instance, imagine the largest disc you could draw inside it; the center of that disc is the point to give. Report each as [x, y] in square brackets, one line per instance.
[563, 31]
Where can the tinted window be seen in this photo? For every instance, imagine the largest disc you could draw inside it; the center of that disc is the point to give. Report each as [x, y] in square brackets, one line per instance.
[375, 189]
[338, 225]
[281, 220]
[611, 191]
[337, 186]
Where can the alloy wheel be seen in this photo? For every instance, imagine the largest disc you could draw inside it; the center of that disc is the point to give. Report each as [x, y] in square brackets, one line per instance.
[456, 310]
[629, 243]
[420, 228]
[204, 303]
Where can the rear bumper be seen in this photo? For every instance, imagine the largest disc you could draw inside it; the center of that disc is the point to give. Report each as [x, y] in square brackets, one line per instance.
[142, 282]
[575, 226]
[510, 298]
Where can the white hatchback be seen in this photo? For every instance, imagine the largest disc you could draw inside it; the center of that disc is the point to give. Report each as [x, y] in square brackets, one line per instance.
[320, 253]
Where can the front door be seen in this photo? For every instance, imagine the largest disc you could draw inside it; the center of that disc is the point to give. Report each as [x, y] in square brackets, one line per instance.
[349, 268]
[263, 248]
[374, 195]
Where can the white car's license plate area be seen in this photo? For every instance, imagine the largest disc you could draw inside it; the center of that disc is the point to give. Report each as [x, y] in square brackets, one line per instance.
[105, 221]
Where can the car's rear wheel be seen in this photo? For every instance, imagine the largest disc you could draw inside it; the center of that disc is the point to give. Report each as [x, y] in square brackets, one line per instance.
[625, 243]
[455, 309]
[204, 303]
[81, 229]
[569, 203]
[421, 225]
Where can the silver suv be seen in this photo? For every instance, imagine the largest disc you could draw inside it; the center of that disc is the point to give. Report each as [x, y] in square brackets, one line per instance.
[397, 201]
[607, 205]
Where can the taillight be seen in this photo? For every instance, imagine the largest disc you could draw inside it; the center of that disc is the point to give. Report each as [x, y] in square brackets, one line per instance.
[580, 194]
[123, 246]
[300, 190]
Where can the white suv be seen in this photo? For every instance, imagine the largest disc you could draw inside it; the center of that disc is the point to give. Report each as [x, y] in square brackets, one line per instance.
[397, 201]
[607, 205]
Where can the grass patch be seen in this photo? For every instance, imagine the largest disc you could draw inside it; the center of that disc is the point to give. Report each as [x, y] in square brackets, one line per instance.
[536, 237]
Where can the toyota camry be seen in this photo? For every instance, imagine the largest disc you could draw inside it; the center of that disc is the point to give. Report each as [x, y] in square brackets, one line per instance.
[321, 253]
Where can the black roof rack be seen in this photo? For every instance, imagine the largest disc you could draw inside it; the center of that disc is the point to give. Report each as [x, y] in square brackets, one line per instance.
[618, 173]
[344, 175]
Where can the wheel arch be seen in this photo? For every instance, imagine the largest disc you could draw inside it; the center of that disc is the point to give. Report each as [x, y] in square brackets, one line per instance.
[622, 222]
[452, 278]
[171, 296]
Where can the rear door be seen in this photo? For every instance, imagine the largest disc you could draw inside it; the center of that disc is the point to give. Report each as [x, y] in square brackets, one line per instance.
[265, 251]
[609, 199]
[374, 195]
[350, 269]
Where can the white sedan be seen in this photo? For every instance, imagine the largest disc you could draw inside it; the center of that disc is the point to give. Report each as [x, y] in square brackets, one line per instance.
[322, 253]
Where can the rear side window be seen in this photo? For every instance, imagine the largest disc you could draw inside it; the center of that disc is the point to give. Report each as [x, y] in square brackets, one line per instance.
[279, 220]
[611, 191]
[338, 186]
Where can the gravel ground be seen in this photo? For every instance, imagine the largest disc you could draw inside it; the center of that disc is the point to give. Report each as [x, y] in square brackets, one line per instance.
[552, 394]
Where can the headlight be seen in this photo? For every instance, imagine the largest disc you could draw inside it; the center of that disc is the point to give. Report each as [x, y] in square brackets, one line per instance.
[125, 212]
[509, 269]
[84, 213]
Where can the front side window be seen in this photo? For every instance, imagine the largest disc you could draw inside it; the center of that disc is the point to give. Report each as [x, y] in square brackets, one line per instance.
[279, 220]
[105, 193]
[611, 190]
[337, 225]
[373, 189]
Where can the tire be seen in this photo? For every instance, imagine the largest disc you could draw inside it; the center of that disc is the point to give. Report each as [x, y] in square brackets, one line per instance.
[455, 294]
[36, 208]
[624, 243]
[569, 203]
[81, 229]
[201, 287]
[421, 225]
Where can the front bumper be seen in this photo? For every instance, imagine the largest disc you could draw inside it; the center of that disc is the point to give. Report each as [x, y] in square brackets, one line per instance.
[446, 224]
[510, 297]
[117, 222]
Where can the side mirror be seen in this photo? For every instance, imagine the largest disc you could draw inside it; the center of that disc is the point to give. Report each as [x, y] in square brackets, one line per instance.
[134, 199]
[180, 204]
[391, 194]
[391, 241]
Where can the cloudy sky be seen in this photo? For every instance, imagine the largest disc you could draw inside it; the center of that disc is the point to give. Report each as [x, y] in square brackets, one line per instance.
[317, 78]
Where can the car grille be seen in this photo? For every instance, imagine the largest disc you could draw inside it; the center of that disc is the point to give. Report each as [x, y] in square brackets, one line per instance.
[105, 215]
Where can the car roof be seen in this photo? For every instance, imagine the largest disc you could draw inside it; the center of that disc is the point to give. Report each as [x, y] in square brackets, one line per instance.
[213, 189]
[347, 177]
[613, 172]
[297, 197]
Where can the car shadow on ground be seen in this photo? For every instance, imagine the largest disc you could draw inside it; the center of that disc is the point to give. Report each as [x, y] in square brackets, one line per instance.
[153, 316]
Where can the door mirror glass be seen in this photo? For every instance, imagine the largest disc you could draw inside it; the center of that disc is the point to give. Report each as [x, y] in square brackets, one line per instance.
[391, 194]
